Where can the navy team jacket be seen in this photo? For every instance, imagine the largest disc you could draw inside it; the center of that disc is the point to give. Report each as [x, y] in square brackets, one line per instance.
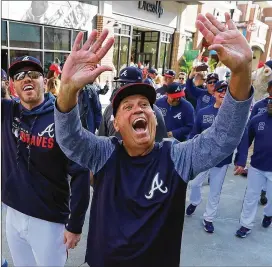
[35, 171]
[259, 108]
[202, 96]
[178, 119]
[137, 210]
[204, 119]
[259, 130]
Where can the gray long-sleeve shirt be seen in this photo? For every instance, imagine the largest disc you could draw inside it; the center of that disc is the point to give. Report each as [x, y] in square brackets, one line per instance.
[190, 158]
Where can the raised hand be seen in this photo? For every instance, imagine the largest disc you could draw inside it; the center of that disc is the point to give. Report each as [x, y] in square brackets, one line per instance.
[231, 46]
[80, 67]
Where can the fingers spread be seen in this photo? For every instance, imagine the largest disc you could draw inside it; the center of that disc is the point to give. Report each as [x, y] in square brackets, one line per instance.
[99, 41]
[215, 23]
[90, 40]
[77, 42]
[208, 35]
[104, 50]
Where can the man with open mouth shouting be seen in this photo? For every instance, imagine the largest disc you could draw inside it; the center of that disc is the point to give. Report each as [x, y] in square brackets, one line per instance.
[137, 210]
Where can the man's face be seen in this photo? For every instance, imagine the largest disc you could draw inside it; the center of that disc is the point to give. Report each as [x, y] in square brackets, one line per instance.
[269, 90]
[219, 96]
[5, 84]
[30, 91]
[210, 86]
[136, 122]
[182, 79]
[168, 79]
[173, 101]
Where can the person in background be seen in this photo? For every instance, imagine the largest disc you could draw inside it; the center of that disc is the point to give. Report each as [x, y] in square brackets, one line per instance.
[178, 113]
[169, 77]
[203, 97]
[182, 78]
[151, 76]
[90, 108]
[133, 75]
[158, 81]
[145, 73]
[54, 71]
[259, 130]
[53, 86]
[205, 118]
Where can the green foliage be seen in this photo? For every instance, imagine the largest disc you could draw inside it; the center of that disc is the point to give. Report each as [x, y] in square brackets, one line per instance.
[212, 64]
[185, 65]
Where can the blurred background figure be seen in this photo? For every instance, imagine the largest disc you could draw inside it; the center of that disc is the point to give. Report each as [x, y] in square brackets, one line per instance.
[5, 93]
[54, 71]
[182, 78]
[53, 86]
[151, 76]
[158, 81]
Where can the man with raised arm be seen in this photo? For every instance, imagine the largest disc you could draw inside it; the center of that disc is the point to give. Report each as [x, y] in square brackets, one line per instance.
[137, 210]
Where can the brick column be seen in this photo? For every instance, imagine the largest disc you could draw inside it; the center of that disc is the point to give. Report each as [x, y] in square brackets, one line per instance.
[175, 61]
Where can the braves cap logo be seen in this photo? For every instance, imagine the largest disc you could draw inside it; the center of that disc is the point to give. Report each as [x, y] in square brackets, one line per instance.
[25, 58]
[178, 90]
[124, 73]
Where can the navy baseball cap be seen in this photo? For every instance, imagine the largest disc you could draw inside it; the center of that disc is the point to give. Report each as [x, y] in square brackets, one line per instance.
[170, 73]
[175, 90]
[133, 89]
[24, 61]
[269, 63]
[129, 75]
[211, 76]
[153, 71]
[269, 83]
[221, 84]
[4, 76]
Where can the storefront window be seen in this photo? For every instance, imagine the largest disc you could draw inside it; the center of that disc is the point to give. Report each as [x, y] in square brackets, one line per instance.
[4, 37]
[121, 47]
[115, 52]
[50, 57]
[165, 51]
[20, 53]
[124, 52]
[57, 39]
[75, 33]
[25, 35]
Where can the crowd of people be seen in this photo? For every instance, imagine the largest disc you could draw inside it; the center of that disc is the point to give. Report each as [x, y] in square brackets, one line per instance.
[153, 139]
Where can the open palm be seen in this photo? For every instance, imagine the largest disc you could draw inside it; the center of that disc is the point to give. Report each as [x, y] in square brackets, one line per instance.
[231, 46]
[80, 67]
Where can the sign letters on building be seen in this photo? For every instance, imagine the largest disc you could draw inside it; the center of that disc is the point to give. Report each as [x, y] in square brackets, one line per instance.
[151, 7]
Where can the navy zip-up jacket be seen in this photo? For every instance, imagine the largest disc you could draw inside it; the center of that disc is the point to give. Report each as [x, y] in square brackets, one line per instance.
[259, 130]
[90, 108]
[204, 119]
[138, 204]
[35, 171]
[178, 119]
[202, 96]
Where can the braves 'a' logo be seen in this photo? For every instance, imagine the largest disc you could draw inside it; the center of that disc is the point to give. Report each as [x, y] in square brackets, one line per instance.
[49, 130]
[177, 116]
[156, 185]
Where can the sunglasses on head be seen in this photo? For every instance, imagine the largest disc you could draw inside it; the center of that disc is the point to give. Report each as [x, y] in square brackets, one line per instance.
[32, 74]
[211, 82]
[221, 90]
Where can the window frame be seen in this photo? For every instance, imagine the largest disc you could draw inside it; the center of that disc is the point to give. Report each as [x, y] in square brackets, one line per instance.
[42, 49]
